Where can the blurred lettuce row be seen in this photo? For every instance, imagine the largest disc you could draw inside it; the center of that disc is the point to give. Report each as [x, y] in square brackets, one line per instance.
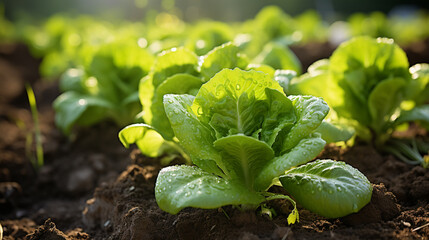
[180, 71]
[64, 42]
[404, 29]
[106, 87]
[307, 27]
[369, 84]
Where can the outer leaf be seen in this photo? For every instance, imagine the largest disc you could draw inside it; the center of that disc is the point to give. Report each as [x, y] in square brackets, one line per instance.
[319, 85]
[419, 113]
[318, 67]
[225, 56]
[418, 88]
[244, 156]
[335, 132]
[146, 92]
[306, 150]
[177, 84]
[262, 68]
[70, 107]
[329, 188]
[233, 101]
[194, 137]
[176, 60]
[148, 140]
[178, 187]
[71, 80]
[384, 100]
[310, 113]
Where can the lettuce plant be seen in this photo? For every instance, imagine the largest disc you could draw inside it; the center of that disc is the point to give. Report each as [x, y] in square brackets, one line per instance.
[107, 88]
[368, 83]
[242, 132]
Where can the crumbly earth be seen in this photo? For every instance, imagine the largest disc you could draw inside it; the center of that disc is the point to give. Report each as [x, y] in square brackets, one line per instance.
[91, 187]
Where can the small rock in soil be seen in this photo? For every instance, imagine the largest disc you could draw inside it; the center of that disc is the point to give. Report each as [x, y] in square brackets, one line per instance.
[381, 207]
[81, 180]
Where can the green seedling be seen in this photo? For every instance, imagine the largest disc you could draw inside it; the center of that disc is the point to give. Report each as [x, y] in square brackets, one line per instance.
[39, 161]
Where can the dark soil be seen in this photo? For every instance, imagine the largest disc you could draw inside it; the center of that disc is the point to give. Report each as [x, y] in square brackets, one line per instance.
[91, 187]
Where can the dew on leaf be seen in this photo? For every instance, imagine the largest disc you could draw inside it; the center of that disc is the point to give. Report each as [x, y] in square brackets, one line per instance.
[200, 111]
[220, 90]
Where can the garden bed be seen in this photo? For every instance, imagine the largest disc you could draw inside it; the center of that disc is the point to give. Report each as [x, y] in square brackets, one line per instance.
[91, 187]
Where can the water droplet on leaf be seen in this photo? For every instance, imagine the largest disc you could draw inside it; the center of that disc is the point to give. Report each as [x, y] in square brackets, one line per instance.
[200, 111]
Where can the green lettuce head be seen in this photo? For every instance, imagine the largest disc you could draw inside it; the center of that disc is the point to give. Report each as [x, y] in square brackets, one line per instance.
[367, 81]
[242, 132]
